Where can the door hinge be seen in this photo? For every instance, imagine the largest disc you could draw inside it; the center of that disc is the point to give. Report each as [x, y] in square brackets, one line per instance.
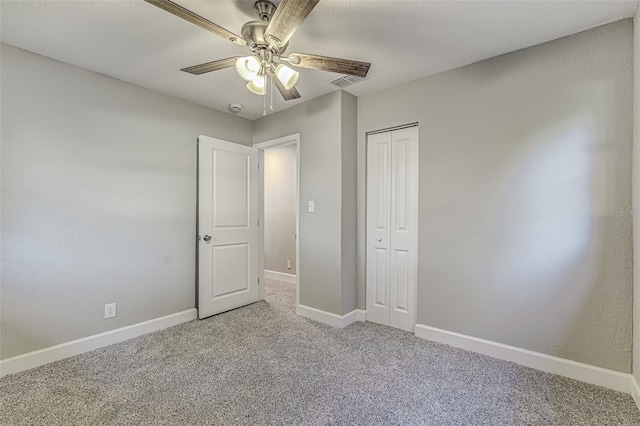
[258, 280]
[258, 222]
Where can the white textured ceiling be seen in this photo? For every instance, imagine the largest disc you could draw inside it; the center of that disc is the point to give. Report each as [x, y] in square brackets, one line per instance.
[404, 40]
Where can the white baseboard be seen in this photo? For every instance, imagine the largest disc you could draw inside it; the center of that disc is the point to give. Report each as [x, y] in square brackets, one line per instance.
[354, 316]
[575, 370]
[635, 391]
[280, 276]
[86, 344]
[329, 318]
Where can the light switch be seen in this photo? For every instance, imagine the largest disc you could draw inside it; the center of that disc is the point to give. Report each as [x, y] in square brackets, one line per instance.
[312, 206]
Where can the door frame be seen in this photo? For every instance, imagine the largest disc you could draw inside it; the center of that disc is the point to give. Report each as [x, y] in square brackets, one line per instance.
[293, 139]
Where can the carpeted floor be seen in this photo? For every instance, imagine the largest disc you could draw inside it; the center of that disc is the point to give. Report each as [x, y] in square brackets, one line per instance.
[262, 364]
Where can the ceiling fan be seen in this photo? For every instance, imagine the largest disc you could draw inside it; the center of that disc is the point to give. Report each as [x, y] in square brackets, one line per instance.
[267, 40]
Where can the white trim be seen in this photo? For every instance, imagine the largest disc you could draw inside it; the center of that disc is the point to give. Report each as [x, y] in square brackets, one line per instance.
[261, 278]
[348, 319]
[86, 344]
[280, 276]
[357, 315]
[329, 318]
[283, 141]
[575, 370]
[635, 391]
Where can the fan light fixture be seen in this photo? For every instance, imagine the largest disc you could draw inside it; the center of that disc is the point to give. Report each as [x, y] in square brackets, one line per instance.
[287, 76]
[252, 69]
[258, 85]
[248, 67]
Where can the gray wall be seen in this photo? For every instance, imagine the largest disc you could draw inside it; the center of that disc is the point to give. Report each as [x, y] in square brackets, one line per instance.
[98, 200]
[280, 208]
[636, 195]
[349, 128]
[320, 267]
[525, 185]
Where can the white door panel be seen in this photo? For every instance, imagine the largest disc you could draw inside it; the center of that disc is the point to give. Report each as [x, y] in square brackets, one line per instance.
[378, 224]
[392, 227]
[228, 258]
[230, 189]
[404, 228]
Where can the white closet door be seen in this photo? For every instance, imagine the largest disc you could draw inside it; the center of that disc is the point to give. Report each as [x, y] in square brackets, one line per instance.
[404, 228]
[378, 225]
[392, 228]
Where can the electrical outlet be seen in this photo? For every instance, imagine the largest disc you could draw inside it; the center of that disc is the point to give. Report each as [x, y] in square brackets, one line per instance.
[109, 310]
[288, 264]
[312, 206]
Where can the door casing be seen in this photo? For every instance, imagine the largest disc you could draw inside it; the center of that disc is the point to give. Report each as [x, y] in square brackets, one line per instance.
[293, 139]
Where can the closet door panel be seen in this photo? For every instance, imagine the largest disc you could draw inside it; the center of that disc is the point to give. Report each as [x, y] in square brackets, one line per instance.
[404, 229]
[378, 226]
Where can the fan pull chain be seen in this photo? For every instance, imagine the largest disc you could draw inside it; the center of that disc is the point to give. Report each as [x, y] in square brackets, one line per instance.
[264, 101]
[271, 92]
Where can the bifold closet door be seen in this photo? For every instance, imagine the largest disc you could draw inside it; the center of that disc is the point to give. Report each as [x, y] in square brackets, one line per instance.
[378, 224]
[392, 227]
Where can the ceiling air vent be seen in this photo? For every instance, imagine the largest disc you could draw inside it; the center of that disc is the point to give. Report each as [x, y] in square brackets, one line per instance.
[347, 80]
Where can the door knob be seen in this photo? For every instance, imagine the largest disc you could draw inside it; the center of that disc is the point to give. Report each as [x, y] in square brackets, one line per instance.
[379, 239]
[207, 238]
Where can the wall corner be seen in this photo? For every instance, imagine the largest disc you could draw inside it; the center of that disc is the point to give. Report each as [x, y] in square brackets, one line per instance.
[635, 188]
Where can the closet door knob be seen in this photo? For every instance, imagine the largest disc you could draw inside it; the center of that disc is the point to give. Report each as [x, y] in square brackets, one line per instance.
[207, 238]
[379, 239]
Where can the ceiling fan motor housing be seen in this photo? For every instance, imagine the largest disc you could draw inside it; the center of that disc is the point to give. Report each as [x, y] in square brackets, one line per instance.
[253, 33]
[265, 9]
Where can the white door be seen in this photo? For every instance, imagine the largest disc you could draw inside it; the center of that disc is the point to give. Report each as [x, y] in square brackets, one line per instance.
[378, 224]
[404, 228]
[392, 227]
[228, 244]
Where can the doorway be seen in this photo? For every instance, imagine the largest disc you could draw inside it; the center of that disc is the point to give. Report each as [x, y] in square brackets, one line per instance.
[279, 198]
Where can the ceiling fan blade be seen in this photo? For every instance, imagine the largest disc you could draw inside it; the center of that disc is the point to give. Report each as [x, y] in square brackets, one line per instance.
[286, 20]
[211, 66]
[198, 20]
[325, 63]
[286, 94]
